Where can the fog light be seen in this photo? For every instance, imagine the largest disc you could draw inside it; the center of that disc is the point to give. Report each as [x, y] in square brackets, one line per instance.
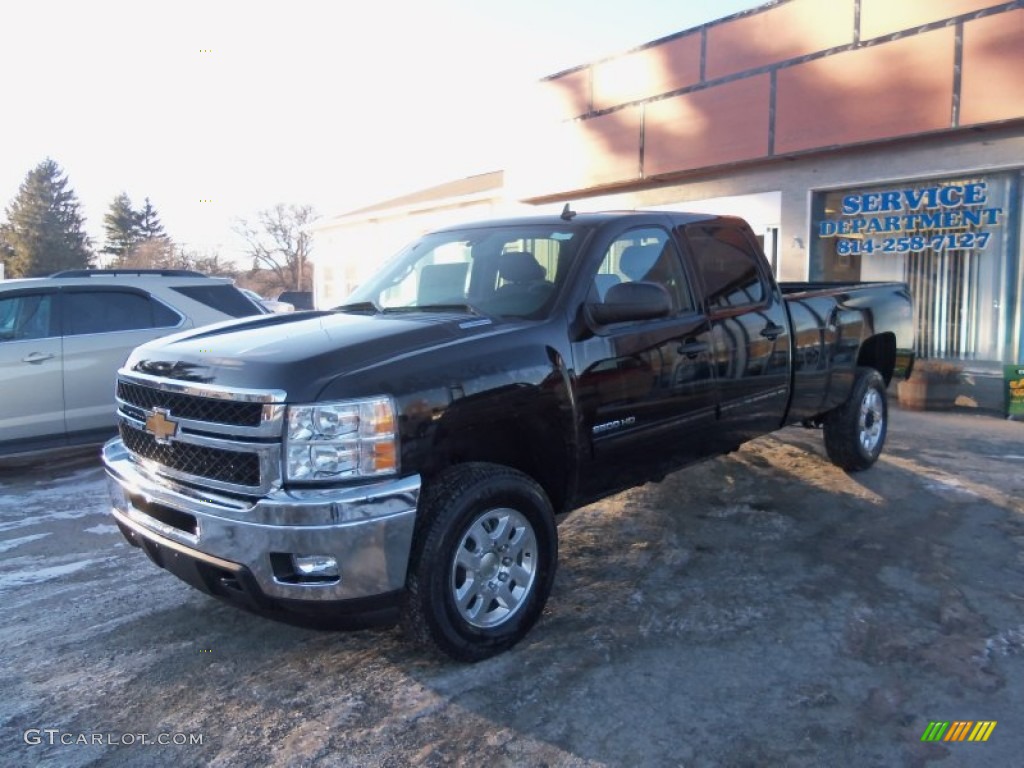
[319, 567]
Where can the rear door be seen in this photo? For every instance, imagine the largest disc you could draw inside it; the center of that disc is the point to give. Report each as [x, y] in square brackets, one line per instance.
[101, 327]
[31, 393]
[749, 329]
[645, 387]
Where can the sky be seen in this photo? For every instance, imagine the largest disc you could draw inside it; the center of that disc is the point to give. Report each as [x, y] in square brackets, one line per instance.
[218, 109]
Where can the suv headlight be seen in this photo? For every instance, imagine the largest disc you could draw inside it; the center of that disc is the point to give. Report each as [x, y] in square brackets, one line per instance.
[349, 438]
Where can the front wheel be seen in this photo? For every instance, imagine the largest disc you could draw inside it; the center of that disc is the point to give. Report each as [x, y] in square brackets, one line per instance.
[483, 561]
[855, 431]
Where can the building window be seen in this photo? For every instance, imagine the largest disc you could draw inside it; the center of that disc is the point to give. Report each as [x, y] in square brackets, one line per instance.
[954, 241]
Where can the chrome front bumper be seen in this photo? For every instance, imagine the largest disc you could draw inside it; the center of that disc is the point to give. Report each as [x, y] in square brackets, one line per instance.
[367, 528]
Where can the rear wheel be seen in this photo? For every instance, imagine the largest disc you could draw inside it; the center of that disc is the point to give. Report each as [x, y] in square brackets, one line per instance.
[855, 431]
[483, 561]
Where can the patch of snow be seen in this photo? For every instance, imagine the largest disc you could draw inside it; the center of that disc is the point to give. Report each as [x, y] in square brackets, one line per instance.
[102, 528]
[44, 517]
[949, 484]
[36, 575]
[10, 544]
[1010, 642]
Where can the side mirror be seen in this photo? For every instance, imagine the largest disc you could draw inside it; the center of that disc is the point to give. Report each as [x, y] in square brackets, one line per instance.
[632, 301]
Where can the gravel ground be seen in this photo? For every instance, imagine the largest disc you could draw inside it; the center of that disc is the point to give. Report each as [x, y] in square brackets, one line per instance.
[760, 609]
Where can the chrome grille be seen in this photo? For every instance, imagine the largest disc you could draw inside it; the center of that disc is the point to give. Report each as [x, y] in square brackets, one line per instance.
[221, 438]
[195, 407]
[224, 466]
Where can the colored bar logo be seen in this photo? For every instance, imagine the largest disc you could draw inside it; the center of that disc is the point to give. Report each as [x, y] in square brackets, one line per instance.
[958, 730]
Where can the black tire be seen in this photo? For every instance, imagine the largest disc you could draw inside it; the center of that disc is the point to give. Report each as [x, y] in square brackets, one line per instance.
[855, 431]
[466, 595]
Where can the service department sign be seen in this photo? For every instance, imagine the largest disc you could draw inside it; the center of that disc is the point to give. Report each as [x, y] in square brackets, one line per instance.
[936, 218]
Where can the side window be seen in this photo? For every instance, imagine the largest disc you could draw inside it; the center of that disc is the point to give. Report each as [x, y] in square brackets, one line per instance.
[26, 316]
[107, 311]
[163, 316]
[221, 297]
[728, 266]
[644, 254]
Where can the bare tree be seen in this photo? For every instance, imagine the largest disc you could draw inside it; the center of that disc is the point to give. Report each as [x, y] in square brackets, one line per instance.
[148, 254]
[162, 253]
[210, 264]
[281, 242]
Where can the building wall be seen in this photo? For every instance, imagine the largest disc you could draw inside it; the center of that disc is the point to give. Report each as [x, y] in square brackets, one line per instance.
[801, 97]
[996, 148]
[788, 79]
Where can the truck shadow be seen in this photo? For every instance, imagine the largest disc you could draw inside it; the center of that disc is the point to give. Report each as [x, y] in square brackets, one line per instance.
[824, 611]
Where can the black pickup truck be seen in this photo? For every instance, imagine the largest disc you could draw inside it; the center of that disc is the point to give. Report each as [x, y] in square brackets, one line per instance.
[413, 448]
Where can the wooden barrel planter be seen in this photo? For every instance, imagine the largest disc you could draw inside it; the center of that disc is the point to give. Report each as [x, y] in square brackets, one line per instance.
[933, 386]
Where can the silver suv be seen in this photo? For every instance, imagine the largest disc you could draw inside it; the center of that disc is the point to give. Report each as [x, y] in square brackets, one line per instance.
[62, 339]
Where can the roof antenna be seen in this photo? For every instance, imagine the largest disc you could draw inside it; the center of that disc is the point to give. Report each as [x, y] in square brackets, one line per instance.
[567, 213]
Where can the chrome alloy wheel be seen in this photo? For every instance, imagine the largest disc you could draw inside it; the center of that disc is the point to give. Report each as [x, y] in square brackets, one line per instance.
[494, 568]
[871, 420]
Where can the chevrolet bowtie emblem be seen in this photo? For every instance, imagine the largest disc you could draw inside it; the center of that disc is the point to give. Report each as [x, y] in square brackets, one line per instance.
[161, 427]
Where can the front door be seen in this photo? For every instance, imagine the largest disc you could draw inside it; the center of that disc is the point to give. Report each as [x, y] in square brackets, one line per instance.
[646, 388]
[32, 397]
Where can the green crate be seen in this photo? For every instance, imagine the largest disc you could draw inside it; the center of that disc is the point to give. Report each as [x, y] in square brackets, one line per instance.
[1013, 378]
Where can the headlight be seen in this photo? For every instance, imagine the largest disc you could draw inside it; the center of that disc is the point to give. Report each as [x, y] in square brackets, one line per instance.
[351, 438]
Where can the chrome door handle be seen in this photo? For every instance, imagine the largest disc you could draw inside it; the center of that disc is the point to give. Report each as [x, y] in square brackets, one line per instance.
[37, 357]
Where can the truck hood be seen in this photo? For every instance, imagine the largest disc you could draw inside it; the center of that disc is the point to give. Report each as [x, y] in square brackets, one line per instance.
[299, 353]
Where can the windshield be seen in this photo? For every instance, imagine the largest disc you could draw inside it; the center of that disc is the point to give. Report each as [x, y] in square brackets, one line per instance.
[507, 271]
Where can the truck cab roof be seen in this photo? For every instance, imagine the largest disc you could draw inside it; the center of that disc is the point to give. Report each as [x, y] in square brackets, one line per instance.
[597, 218]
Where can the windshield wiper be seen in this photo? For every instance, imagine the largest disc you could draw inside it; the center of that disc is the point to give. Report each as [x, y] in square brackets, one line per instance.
[467, 308]
[359, 307]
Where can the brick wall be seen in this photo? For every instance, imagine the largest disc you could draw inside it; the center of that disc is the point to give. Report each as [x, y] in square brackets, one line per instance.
[786, 79]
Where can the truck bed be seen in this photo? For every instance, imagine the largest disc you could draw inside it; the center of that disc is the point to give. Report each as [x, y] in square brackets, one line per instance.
[793, 288]
[831, 323]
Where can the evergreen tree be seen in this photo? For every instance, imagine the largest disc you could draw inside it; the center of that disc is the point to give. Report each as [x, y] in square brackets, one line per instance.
[150, 227]
[122, 227]
[44, 232]
[136, 238]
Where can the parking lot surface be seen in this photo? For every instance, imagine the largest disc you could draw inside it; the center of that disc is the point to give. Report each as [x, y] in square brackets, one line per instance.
[760, 609]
